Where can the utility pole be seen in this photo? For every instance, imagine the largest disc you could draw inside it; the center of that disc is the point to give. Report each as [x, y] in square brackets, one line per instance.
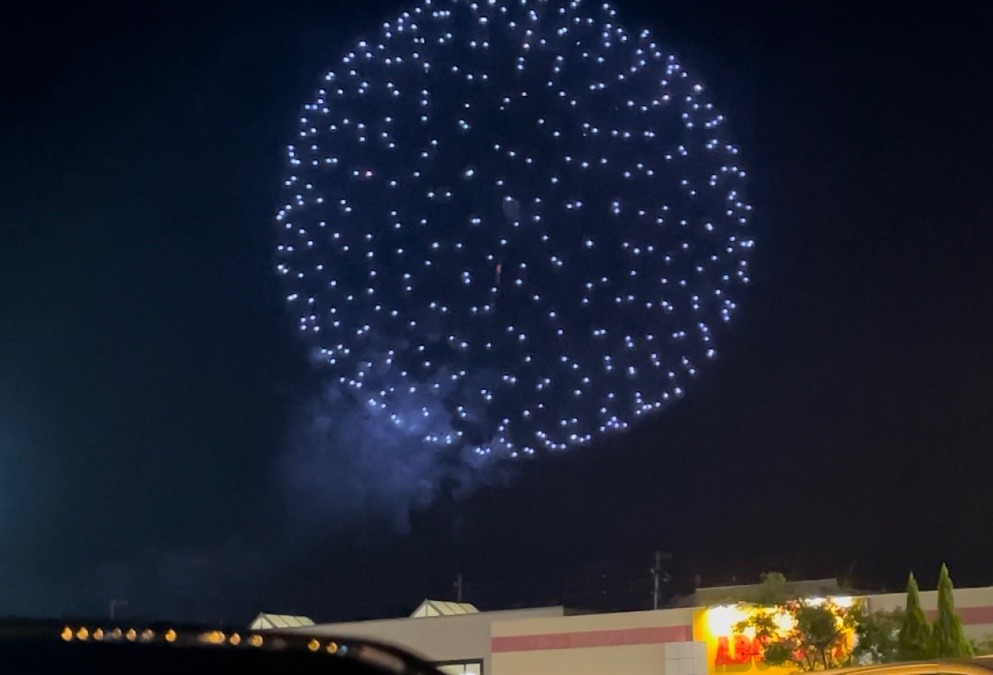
[458, 587]
[658, 576]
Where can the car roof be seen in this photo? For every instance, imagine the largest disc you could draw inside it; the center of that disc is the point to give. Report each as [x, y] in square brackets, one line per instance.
[84, 647]
[974, 666]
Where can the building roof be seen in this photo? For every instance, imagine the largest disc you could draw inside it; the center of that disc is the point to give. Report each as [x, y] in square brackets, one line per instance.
[443, 608]
[268, 621]
[747, 592]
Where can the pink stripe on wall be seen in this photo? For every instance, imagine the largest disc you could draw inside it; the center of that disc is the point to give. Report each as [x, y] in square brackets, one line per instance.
[971, 616]
[592, 638]
[976, 615]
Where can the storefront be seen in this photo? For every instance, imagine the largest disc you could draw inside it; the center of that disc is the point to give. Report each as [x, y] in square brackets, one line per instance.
[732, 648]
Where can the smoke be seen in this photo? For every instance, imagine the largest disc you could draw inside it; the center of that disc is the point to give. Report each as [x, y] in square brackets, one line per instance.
[351, 462]
[347, 469]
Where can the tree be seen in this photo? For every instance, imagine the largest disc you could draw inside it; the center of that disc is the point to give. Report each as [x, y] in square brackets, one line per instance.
[772, 590]
[983, 646]
[808, 635]
[876, 635]
[914, 639]
[947, 639]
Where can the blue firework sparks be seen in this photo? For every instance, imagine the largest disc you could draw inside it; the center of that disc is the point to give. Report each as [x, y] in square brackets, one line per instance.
[512, 227]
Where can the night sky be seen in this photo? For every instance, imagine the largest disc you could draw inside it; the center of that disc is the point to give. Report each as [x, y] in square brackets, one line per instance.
[149, 370]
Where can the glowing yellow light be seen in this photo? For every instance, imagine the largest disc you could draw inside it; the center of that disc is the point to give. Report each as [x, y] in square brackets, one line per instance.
[313, 645]
[843, 601]
[255, 640]
[116, 633]
[332, 647]
[784, 622]
[235, 639]
[83, 634]
[66, 634]
[170, 635]
[214, 637]
[98, 634]
[131, 634]
[147, 635]
[727, 645]
[722, 620]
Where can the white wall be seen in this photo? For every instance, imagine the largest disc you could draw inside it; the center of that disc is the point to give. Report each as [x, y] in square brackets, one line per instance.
[435, 638]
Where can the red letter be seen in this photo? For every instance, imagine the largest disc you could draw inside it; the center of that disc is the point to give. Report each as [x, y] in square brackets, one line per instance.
[742, 649]
[723, 657]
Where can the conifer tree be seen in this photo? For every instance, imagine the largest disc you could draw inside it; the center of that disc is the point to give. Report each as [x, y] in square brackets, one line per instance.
[947, 639]
[914, 638]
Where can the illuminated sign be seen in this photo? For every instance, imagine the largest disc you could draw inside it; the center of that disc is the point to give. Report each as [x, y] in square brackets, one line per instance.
[730, 650]
[738, 649]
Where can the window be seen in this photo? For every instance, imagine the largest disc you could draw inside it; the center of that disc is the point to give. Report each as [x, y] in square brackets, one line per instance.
[461, 667]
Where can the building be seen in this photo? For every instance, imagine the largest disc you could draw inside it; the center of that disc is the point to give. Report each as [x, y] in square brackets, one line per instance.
[550, 641]
[455, 636]
[279, 621]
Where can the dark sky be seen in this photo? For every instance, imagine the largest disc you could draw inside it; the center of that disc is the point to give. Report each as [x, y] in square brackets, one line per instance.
[148, 370]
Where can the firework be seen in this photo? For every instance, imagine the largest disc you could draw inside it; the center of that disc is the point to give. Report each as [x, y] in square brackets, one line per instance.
[511, 227]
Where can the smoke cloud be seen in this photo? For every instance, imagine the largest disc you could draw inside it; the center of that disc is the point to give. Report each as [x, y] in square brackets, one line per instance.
[350, 462]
